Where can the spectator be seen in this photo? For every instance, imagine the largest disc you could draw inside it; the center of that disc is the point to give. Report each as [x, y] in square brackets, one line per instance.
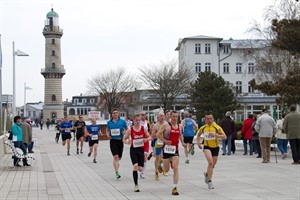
[281, 140]
[41, 123]
[27, 135]
[255, 138]
[291, 126]
[246, 133]
[48, 123]
[228, 126]
[18, 140]
[265, 126]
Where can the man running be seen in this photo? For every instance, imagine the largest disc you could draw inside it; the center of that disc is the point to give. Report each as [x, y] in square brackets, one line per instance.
[145, 123]
[170, 134]
[114, 131]
[65, 128]
[212, 132]
[157, 144]
[168, 116]
[139, 136]
[80, 127]
[188, 127]
[93, 132]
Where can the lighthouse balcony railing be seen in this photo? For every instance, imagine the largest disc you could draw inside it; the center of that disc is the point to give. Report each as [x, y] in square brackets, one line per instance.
[53, 70]
[54, 29]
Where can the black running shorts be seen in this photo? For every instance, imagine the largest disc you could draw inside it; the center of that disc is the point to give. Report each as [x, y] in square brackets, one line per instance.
[116, 147]
[92, 142]
[137, 156]
[214, 151]
[188, 140]
[66, 136]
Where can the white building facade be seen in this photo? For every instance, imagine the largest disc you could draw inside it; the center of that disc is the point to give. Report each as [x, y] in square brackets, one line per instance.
[232, 60]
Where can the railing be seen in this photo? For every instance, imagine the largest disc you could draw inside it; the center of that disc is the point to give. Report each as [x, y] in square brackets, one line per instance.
[53, 70]
[52, 29]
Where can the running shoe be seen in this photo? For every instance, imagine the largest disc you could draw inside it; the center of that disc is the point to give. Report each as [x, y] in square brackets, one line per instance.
[205, 178]
[174, 191]
[94, 161]
[142, 175]
[210, 185]
[136, 188]
[118, 176]
[165, 173]
[187, 161]
[77, 151]
[156, 176]
[81, 151]
[89, 154]
[149, 156]
[68, 153]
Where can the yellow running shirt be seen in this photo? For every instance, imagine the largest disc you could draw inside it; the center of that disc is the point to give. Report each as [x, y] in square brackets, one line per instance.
[210, 141]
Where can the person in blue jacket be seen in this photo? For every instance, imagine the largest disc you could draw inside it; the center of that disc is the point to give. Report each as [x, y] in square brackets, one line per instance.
[17, 138]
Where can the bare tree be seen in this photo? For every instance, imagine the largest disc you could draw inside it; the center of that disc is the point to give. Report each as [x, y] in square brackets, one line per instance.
[166, 81]
[113, 86]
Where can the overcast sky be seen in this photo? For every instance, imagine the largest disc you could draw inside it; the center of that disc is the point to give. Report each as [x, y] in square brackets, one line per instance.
[101, 35]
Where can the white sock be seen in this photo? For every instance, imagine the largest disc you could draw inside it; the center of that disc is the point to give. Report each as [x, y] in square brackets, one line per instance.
[175, 185]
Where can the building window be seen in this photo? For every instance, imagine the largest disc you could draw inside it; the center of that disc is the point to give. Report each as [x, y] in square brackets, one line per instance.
[29, 113]
[75, 101]
[197, 48]
[207, 48]
[84, 101]
[238, 68]
[198, 67]
[53, 98]
[53, 41]
[238, 87]
[207, 67]
[250, 88]
[251, 68]
[269, 68]
[85, 111]
[92, 101]
[226, 49]
[33, 114]
[53, 65]
[78, 111]
[226, 68]
[53, 53]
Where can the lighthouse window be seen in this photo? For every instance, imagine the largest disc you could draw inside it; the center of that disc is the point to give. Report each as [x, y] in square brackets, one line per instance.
[53, 53]
[53, 98]
[53, 41]
[53, 65]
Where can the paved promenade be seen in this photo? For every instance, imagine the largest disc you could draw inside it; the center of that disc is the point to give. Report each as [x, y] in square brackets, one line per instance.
[54, 175]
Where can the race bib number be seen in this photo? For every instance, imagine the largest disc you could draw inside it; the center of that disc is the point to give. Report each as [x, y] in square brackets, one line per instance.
[159, 142]
[67, 130]
[94, 137]
[138, 143]
[14, 138]
[115, 132]
[170, 149]
[208, 137]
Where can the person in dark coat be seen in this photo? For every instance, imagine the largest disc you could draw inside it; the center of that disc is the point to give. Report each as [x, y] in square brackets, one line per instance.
[228, 126]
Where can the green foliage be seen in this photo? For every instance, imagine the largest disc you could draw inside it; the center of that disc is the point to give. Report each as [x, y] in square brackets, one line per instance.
[210, 93]
[238, 126]
[287, 88]
[288, 35]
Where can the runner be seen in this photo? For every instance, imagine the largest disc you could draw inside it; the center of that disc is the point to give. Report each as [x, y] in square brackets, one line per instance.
[167, 116]
[212, 132]
[188, 127]
[80, 127]
[157, 144]
[170, 134]
[93, 131]
[65, 128]
[145, 123]
[114, 131]
[138, 137]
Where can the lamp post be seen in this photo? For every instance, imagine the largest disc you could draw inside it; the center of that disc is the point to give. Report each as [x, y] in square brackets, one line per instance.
[15, 53]
[25, 88]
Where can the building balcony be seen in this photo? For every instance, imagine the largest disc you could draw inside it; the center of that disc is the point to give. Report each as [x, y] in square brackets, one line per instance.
[52, 30]
[53, 70]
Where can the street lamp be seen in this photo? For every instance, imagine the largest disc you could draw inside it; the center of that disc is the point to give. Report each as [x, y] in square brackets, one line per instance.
[15, 53]
[25, 88]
